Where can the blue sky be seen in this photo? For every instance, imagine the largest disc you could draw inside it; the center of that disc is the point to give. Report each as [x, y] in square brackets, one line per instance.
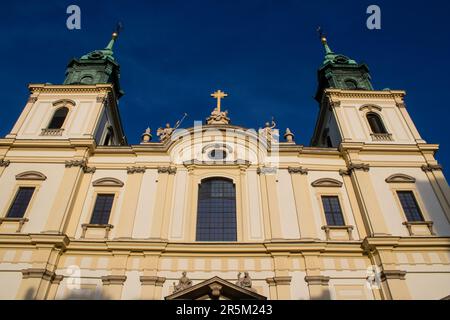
[264, 53]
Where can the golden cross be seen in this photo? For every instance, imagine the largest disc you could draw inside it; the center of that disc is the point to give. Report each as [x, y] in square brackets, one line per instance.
[219, 95]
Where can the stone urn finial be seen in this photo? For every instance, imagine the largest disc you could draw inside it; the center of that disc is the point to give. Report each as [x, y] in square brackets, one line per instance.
[146, 136]
[289, 136]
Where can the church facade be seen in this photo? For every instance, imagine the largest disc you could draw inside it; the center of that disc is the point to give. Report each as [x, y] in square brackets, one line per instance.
[216, 210]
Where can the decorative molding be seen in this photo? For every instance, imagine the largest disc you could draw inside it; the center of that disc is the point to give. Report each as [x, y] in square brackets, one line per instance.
[431, 167]
[364, 94]
[344, 172]
[64, 102]
[107, 182]
[370, 108]
[114, 280]
[282, 280]
[400, 178]
[31, 175]
[381, 136]
[87, 169]
[86, 226]
[19, 221]
[152, 280]
[32, 99]
[4, 163]
[132, 170]
[328, 230]
[75, 163]
[327, 182]
[101, 99]
[297, 170]
[317, 280]
[411, 224]
[169, 170]
[52, 132]
[217, 146]
[266, 170]
[358, 166]
[36, 273]
[393, 274]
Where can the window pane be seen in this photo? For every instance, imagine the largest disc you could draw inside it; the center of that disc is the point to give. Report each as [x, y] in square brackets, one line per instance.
[216, 211]
[376, 125]
[58, 118]
[102, 209]
[20, 203]
[409, 205]
[333, 212]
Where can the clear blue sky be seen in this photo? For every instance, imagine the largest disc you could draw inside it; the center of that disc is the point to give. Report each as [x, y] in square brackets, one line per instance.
[265, 54]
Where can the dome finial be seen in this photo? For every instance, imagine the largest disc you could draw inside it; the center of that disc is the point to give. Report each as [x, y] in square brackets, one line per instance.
[323, 38]
[114, 36]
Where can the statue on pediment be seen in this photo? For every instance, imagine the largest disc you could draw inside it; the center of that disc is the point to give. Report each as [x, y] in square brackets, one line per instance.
[183, 283]
[245, 281]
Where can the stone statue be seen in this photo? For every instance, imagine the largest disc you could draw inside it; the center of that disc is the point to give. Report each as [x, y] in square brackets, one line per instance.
[164, 133]
[146, 136]
[268, 130]
[183, 283]
[289, 136]
[245, 281]
[218, 117]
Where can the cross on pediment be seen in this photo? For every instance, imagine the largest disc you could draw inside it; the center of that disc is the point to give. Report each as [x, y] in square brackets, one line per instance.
[219, 95]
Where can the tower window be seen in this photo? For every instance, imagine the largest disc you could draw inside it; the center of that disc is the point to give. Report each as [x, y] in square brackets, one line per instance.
[350, 84]
[102, 209]
[216, 213]
[21, 202]
[409, 205]
[375, 123]
[333, 211]
[58, 118]
[109, 137]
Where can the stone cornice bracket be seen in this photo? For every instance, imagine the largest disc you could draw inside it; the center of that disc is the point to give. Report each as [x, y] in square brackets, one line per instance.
[280, 280]
[393, 274]
[4, 163]
[35, 273]
[80, 163]
[358, 166]
[169, 170]
[266, 170]
[132, 170]
[111, 279]
[297, 170]
[152, 280]
[317, 280]
[431, 167]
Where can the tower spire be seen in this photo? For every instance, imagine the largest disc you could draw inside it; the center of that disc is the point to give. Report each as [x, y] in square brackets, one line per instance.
[114, 36]
[323, 38]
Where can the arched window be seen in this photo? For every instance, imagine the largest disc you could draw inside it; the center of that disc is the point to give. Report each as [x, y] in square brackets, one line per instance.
[216, 211]
[58, 118]
[376, 125]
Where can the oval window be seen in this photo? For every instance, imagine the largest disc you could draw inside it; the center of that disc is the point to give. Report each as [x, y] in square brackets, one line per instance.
[217, 154]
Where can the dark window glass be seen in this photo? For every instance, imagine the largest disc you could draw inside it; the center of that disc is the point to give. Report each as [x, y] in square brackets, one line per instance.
[329, 143]
[58, 118]
[409, 205]
[102, 209]
[376, 125]
[216, 212]
[333, 212]
[20, 203]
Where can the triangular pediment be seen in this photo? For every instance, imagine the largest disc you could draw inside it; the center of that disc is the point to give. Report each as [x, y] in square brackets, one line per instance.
[215, 288]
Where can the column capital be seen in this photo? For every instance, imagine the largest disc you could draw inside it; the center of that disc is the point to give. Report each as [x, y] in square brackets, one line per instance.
[169, 170]
[132, 170]
[393, 274]
[4, 163]
[281, 280]
[36, 273]
[297, 170]
[112, 279]
[152, 280]
[358, 166]
[266, 170]
[431, 167]
[317, 280]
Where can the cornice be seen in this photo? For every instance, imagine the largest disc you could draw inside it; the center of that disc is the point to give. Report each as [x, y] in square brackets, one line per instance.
[50, 88]
[365, 94]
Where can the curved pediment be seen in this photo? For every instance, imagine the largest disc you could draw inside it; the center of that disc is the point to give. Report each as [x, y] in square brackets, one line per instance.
[63, 102]
[369, 107]
[107, 182]
[400, 178]
[327, 182]
[31, 175]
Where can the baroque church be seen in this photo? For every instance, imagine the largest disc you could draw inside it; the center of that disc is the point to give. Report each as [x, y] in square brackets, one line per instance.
[216, 210]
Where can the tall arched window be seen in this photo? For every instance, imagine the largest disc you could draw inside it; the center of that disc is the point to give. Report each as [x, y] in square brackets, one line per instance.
[375, 122]
[216, 211]
[58, 118]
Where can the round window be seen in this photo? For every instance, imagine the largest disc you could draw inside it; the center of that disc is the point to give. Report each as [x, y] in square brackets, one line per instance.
[217, 154]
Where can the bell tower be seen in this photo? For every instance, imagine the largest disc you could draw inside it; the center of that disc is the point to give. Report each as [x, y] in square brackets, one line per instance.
[85, 106]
